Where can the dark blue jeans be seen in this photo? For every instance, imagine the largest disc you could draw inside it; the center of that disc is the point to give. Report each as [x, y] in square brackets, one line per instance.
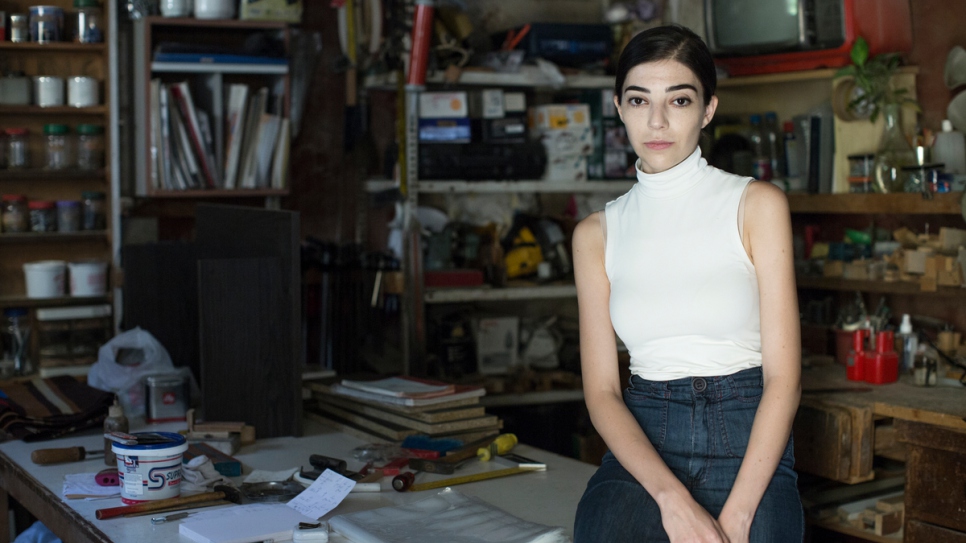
[700, 426]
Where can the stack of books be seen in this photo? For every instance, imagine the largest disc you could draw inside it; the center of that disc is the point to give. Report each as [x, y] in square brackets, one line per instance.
[399, 407]
[230, 141]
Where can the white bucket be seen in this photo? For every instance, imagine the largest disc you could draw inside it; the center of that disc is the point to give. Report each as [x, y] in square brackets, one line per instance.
[45, 279]
[88, 278]
[151, 471]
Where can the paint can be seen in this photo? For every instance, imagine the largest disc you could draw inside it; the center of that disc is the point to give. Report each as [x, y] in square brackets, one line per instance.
[82, 92]
[166, 397]
[48, 91]
[150, 471]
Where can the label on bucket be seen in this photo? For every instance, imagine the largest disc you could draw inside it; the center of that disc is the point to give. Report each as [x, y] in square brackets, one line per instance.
[133, 485]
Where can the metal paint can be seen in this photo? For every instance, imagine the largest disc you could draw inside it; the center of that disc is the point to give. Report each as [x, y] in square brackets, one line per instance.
[48, 91]
[46, 24]
[82, 92]
[166, 397]
[19, 28]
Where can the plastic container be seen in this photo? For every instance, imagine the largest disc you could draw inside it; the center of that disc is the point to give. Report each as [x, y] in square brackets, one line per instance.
[18, 148]
[855, 363]
[950, 149]
[88, 278]
[882, 366]
[43, 216]
[93, 211]
[68, 215]
[90, 146]
[86, 21]
[45, 279]
[57, 147]
[16, 342]
[15, 214]
[151, 471]
[46, 24]
[115, 422]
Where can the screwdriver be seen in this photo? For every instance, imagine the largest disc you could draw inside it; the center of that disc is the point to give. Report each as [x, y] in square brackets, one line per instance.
[66, 454]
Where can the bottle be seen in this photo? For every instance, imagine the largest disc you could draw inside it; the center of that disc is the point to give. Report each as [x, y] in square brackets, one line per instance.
[774, 142]
[115, 422]
[16, 341]
[910, 343]
[950, 149]
[761, 162]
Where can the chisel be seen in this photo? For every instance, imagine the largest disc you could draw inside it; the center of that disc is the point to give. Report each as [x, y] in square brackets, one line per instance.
[67, 454]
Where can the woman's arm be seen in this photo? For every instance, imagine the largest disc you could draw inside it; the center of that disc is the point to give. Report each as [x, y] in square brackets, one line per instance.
[683, 518]
[768, 237]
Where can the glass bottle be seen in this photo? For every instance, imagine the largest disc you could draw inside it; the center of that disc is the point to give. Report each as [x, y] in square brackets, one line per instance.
[893, 153]
[115, 422]
[16, 340]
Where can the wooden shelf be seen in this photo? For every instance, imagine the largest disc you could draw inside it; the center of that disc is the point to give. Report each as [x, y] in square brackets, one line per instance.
[901, 203]
[532, 398]
[880, 287]
[23, 301]
[217, 67]
[490, 294]
[218, 193]
[215, 23]
[58, 110]
[836, 525]
[524, 185]
[38, 174]
[53, 237]
[64, 46]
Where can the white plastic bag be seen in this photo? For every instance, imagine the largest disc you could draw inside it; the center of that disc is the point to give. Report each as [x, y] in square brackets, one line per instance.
[124, 362]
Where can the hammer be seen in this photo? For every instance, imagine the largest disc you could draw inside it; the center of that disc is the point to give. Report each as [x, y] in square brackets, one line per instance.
[220, 492]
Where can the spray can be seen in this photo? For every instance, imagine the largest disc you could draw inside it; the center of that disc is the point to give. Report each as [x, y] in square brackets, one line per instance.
[115, 422]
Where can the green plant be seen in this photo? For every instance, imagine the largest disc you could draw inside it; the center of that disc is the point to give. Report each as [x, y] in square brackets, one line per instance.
[873, 81]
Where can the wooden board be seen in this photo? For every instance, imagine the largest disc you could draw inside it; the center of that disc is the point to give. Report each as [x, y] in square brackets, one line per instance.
[838, 438]
[458, 420]
[936, 470]
[922, 532]
[347, 427]
[386, 429]
[410, 411]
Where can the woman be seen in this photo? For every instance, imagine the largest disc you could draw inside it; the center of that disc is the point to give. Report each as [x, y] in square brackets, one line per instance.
[693, 270]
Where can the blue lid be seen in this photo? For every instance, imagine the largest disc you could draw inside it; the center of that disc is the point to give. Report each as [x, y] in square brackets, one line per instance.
[771, 116]
[755, 119]
[12, 312]
[174, 439]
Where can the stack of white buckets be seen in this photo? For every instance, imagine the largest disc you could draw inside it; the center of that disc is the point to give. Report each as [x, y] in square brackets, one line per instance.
[48, 278]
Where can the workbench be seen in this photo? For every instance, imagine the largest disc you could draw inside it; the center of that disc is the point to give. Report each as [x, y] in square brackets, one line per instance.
[548, 497]
[842, 425]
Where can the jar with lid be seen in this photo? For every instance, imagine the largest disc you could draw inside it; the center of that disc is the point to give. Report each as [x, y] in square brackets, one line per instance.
[15, 218]
[921, 178]
[68, 215]
[16, 341]
[18, 149]
[860, 165]
[860, 184]
[46, 24]
[57, 148]
[86, 21]
[90, 146]
[43, 216]
[19, 28]
[93, 214]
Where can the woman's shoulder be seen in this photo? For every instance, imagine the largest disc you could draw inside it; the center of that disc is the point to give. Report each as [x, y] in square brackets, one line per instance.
[589, 233]
[764, 196]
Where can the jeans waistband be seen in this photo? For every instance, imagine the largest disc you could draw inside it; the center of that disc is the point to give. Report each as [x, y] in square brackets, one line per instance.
[751, 377]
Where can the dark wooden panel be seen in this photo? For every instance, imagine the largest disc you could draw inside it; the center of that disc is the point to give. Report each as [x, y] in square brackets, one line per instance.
[246, 369]
[823, 441]
[920, 532]
[936, 486]
[928, 435]
[161, 296]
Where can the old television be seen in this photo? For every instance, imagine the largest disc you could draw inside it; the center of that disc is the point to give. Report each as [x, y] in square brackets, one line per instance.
[749, 37]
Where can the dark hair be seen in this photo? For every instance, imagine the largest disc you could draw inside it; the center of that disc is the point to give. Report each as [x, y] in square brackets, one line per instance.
[671, 42]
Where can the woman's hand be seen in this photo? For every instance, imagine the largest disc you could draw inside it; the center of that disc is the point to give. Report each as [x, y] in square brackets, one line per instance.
[685, 521]
[736, 526]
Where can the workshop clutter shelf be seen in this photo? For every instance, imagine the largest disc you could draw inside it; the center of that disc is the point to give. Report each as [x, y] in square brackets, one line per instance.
[903, 203]
[881, 287]
[211, 109]
[492, 294]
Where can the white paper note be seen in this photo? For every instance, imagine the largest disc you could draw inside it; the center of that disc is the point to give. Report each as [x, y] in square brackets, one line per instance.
[323, 495]
[82, 485]
[265, 476]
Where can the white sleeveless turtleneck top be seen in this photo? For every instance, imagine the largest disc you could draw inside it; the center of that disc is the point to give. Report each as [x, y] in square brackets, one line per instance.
[684, 294]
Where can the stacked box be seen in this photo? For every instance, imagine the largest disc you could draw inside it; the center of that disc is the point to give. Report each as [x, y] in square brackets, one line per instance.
[568, 138]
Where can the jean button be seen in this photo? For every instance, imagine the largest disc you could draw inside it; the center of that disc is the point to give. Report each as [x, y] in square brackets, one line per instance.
[699, 384]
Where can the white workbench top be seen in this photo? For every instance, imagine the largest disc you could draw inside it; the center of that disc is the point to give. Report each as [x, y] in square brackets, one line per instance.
[548, 497]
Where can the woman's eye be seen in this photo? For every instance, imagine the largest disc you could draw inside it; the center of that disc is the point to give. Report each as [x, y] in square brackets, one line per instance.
[683, 101]
[635, 101]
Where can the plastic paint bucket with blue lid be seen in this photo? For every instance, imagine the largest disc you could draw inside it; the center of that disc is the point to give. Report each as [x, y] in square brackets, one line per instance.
[150, 470]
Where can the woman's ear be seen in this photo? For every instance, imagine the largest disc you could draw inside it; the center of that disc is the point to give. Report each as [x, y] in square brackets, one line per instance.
[709, 111]
[617, 104]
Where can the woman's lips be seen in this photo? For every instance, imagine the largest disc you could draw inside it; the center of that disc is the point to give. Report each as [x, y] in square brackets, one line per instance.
[658, 145]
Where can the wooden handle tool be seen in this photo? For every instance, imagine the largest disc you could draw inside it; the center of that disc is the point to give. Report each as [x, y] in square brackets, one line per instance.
[220, 493]
[66, 454]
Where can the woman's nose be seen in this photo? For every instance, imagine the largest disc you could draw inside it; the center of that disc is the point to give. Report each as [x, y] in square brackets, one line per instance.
[657, 119]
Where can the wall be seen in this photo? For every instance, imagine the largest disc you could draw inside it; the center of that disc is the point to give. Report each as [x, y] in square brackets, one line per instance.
[935, 30]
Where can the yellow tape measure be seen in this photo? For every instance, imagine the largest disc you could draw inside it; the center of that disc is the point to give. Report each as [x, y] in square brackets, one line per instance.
[453, 481]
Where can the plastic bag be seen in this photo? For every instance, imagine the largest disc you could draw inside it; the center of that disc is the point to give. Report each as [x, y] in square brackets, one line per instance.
[124, 362]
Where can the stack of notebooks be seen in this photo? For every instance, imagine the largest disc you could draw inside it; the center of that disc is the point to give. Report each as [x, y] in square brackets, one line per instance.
[399, 407]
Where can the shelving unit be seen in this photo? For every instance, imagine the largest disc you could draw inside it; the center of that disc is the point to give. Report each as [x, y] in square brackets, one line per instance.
[54, 237]
[491, 294]
[908, 204]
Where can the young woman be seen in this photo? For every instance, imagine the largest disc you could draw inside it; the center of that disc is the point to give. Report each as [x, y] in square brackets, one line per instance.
[693, 270]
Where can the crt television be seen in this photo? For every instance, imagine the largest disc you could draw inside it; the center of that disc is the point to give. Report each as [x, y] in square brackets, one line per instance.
[751, 37]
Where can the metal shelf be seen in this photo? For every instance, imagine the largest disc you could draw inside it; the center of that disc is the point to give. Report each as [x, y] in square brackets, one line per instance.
[528, 76]
[489, 294]
[470, 187]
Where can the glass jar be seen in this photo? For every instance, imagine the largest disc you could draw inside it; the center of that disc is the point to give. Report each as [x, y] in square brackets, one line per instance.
[893, 153]
[16, 342]
[19, 28]
[924, 178]
[18, 150]
[15, 218]
[57, 148]
[87, 21]
[43, 216]
[68, 215]
[94, 211]
[860, 165]
[46, 24]
[90, 146]
[859, 185]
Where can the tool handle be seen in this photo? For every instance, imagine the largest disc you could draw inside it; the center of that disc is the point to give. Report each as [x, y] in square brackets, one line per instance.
[56, 456]
[111, 512]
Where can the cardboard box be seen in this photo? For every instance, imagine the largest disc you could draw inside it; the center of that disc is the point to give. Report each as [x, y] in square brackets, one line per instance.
[914, 262]
[857, 270]
[487, 104]
[948, 272]
[558, 117]
[443, 105]
[497, 342]
[514, 102]
[833, 268]
[568, 142]
[566, 169]
[444, 130]
[271, 10]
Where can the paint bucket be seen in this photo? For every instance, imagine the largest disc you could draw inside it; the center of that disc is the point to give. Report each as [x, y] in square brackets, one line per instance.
[88, 278]
[45, 279]
[151, 471]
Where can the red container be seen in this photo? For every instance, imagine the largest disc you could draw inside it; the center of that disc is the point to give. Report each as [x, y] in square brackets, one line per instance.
[883, 366]
[856, 361]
